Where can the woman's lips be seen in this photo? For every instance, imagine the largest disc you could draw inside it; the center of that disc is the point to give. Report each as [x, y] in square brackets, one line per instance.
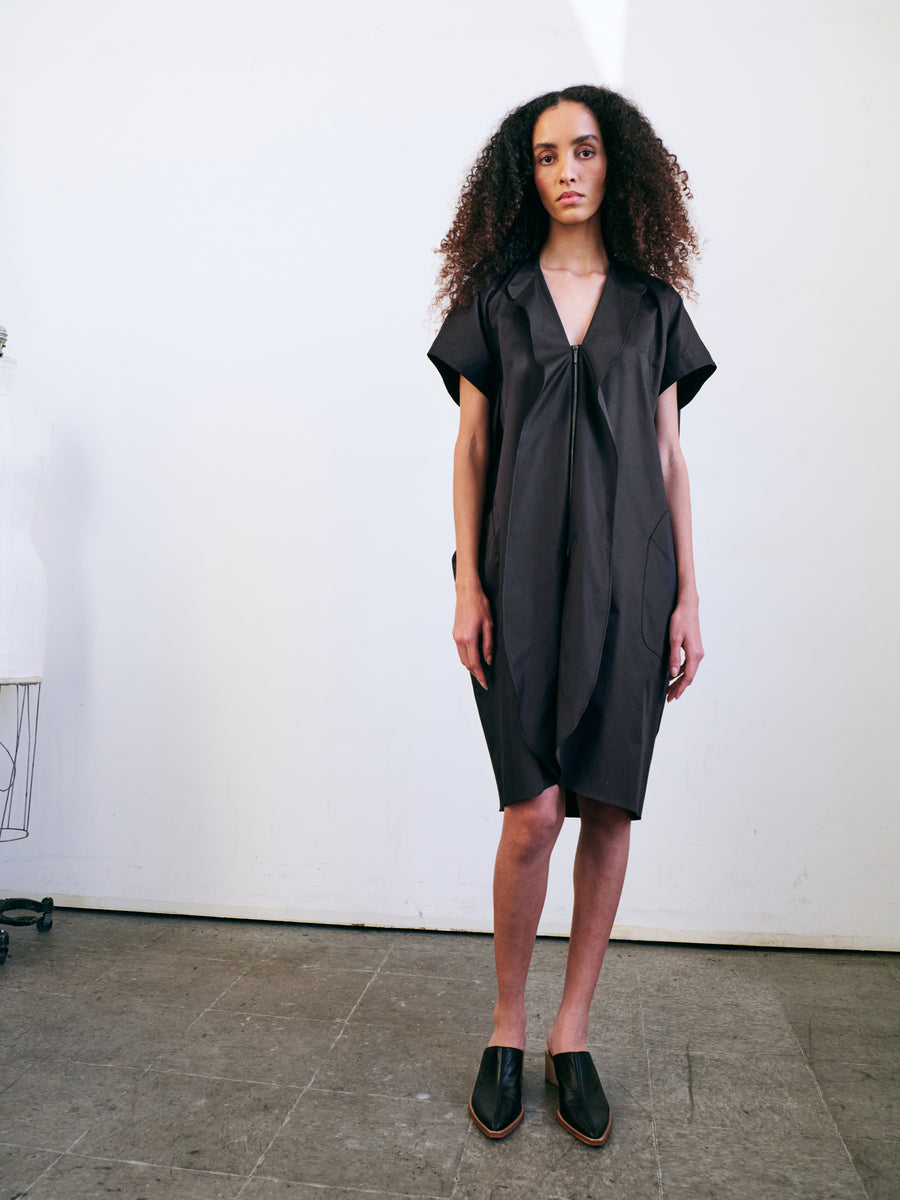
[569, 198]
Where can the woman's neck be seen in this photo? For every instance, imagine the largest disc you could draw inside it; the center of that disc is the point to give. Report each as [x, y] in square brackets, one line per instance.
[576, 248]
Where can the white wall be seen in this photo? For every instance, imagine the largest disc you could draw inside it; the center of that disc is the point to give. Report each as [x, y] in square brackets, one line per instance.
[216, 225]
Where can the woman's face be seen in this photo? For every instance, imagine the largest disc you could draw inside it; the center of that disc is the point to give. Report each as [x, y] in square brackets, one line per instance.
[569, 162]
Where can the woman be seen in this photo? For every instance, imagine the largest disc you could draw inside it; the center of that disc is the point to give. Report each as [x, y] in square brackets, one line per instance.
[570, 353]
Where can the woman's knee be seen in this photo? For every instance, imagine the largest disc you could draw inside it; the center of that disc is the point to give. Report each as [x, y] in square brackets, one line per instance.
[533, 825]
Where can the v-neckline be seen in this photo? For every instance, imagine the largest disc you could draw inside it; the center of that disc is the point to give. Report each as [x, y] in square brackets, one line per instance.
[559, 320]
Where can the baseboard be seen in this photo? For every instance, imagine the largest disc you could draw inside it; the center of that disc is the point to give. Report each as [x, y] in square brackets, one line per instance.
[628, 933]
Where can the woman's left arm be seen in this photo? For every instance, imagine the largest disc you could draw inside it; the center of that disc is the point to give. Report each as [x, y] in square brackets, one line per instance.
[685, 646]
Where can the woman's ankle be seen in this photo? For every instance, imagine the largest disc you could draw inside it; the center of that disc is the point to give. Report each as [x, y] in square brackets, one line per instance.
[509, 1028]
[565, 1036]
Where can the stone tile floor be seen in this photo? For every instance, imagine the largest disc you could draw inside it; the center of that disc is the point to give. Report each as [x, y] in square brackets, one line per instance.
[175, 1058]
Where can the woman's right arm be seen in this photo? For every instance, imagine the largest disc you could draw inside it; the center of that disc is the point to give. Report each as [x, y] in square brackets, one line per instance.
[473, 626]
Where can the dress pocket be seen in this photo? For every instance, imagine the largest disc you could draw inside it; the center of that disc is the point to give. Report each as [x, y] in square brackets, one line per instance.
[660, 587]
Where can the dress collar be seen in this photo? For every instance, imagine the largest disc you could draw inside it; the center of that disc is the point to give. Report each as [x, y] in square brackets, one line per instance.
[610, 324]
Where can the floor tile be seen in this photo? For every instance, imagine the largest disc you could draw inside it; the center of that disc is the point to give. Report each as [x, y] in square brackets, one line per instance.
[685, 973]
[453, 955]
[282, 1189]
[878, 1162]
[318, 994]
[105, 931]
[177, 979]
[335, 946]
[191, 1121]
[754, 1022]
[849, 978]
[77, 1178]
[240, 942]
[12, 1066]
[417, 1061]
[846, 1033]
[745, 1092]
[51, 1107]
[52, 966]
[388, 1144]
[92, 1028]
[19, 1168]
[459, 1005]
[864, 1099]
[625, 1079]
[263, 1049]
[778, 1164]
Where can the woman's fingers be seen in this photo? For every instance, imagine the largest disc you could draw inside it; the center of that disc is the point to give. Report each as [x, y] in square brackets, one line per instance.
[478, 672]
[470, 657]
[684, 660]
[473, 632]
[468, 647]
[675, 688]
[691, 663]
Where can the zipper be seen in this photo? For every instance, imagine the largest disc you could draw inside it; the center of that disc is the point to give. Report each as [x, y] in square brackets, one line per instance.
[573, 416]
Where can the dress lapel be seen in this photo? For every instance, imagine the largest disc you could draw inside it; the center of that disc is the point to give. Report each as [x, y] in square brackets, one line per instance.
[548, 337]
[612, 320]
[609, 327]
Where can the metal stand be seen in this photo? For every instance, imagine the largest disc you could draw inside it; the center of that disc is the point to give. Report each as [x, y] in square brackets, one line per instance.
[18, 742]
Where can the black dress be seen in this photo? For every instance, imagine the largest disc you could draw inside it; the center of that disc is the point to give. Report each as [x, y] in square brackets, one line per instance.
[576, 554]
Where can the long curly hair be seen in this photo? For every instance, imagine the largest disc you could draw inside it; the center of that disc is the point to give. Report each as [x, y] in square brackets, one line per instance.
[500, 221]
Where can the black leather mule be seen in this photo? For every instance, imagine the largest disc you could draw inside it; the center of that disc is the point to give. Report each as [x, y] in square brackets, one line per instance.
[583, 1107]
[496, 1101]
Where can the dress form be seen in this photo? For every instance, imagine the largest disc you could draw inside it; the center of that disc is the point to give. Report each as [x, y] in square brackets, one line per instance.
[24, 439]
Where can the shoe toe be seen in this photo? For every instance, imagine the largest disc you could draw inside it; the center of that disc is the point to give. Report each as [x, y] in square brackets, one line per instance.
[496, 1101]
[583, 1107]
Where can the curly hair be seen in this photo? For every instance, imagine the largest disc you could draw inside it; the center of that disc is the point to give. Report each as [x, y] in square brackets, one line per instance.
[500, 221]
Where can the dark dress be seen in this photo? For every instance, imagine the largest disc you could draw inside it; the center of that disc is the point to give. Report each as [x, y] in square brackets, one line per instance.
[576, 553]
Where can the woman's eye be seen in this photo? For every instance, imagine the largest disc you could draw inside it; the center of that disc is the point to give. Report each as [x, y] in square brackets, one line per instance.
[545, 160]
[586, 152]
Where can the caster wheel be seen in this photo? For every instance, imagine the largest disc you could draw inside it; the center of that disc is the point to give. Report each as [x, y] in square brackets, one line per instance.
[43, 923]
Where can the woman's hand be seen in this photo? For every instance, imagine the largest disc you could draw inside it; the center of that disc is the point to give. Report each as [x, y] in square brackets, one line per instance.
[473, 630]
[685, 647]
[473, 626]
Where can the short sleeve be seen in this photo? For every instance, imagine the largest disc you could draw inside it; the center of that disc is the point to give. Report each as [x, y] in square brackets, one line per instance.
[461, 349]
[688, 362]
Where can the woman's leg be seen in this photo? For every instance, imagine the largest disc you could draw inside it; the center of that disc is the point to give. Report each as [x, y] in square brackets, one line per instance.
[600, 862]
[530, 830]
